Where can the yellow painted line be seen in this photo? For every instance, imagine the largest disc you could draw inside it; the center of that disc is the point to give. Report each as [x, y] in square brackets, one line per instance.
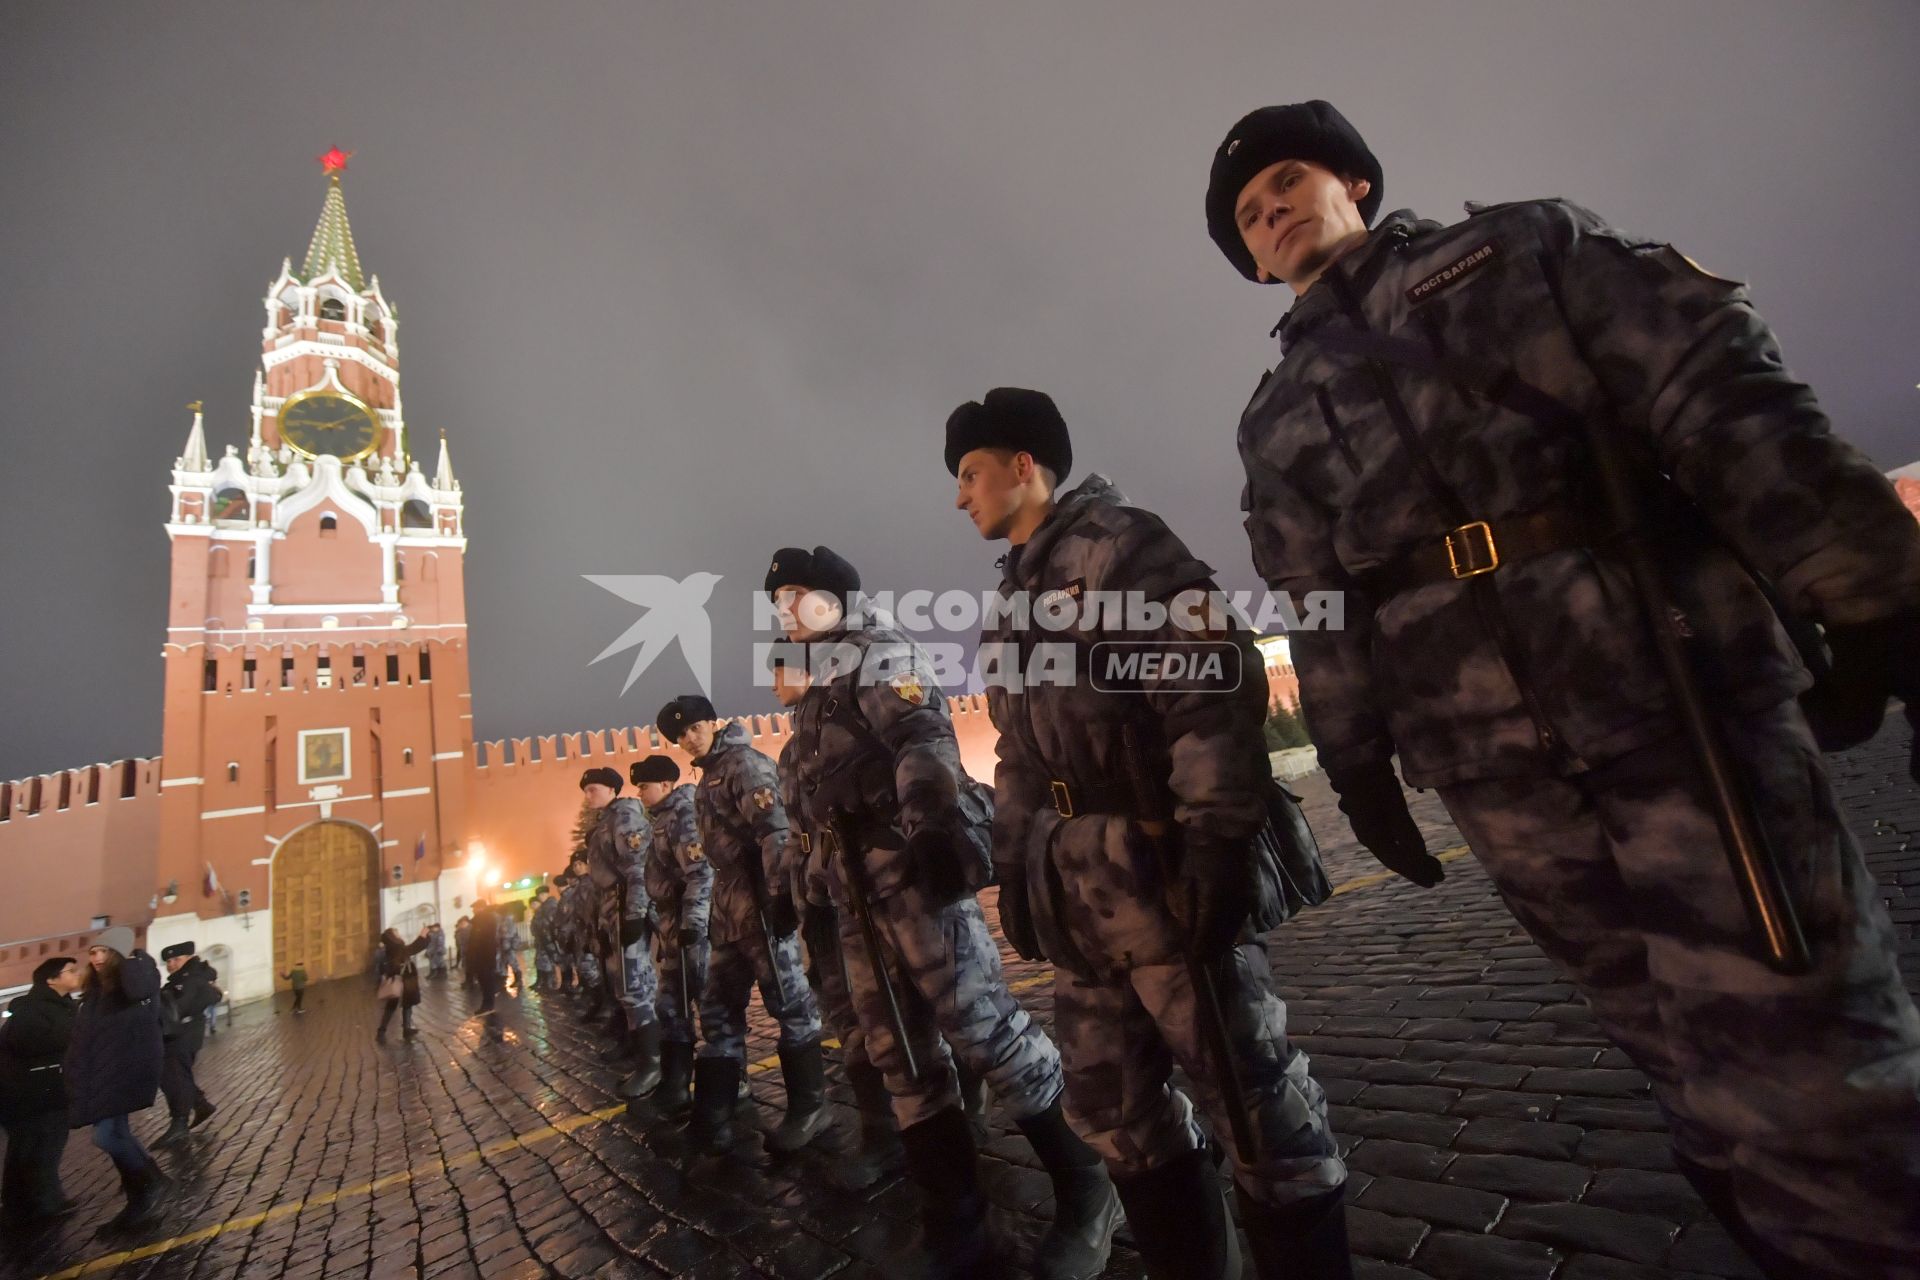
[252, 1220]
[554, 1130]
[1381, 877]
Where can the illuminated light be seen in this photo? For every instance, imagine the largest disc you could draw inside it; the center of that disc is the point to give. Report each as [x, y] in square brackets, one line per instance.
[506, 884]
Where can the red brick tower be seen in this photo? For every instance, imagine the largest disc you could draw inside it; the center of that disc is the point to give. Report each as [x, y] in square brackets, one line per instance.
[318, 731]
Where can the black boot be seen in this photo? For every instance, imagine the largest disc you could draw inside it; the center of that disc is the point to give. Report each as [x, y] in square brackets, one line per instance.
[876, 1152]
[805, 1072]
[118, 1222]
[202, 1112]
[1178, 1216]
[646, 1062]
[595, 1005]
[1086, 1208]
[176, 1132]
[1306, 1240]
[676, 1074]
[715, 1081]
[617, 1022]
[149, 1193]
[943, 1162]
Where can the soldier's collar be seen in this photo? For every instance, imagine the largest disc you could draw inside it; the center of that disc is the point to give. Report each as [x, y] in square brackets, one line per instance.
[1361, 268]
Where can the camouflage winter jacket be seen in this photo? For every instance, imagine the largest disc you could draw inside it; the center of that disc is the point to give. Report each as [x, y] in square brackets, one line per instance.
[542, 926]
[1060, 741]
[579, 917]
[679, 877]
[1622, 332]
[616, 859]
[743, 828]
[809, 861]
[872, 741]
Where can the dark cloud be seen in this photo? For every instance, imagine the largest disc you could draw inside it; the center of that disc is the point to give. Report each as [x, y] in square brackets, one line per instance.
[686, 283]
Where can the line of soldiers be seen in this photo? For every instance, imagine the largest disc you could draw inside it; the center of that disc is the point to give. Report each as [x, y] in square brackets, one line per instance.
[1444, 445]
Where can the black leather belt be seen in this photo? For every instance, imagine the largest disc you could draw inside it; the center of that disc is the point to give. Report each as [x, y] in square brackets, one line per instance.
[1074, 799]
[1480, 547]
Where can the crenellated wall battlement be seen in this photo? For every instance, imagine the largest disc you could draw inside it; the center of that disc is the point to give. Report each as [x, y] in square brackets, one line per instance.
[74, 845]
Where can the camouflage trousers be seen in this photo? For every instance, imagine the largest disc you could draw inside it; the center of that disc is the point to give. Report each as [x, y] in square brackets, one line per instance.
[676, 1023]
[731, 974]
[546, 963]
[946, 975]
[1802, 1092]
[827, 975]
[638, 987]
[587, 966]
[1121, 1039]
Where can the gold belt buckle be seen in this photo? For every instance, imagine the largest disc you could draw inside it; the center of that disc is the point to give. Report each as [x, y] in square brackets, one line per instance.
[806, 845]
[1062, 799]
[1464, 558]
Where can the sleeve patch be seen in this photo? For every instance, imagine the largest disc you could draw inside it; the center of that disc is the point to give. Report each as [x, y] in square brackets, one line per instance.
[907, 685]
[763, 799]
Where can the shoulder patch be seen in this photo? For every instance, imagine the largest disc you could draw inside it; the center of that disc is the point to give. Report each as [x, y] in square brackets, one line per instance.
[696, 852]
[907, 685]
[635, 840]
[763, 798]
[1452, 273]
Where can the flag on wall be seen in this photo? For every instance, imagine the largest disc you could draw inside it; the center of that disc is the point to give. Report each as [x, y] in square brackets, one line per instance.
[210, 886]
[420, 847]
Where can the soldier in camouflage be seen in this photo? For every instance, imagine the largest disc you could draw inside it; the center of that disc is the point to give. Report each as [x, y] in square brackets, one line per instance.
[753, 928]
[545, 955]
[876, 1151]
[617, 858]
[874, 754]
[1428, 447]
[1073, 839]
[581, 910]
[680, 885]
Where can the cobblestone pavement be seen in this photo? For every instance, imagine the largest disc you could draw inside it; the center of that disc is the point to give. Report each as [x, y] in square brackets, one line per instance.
[1492, 1132]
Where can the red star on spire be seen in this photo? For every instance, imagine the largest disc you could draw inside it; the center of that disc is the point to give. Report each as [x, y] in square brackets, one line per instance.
[335, 160]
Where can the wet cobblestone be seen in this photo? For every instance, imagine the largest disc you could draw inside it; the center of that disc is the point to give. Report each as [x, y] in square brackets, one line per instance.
[1492, 1131]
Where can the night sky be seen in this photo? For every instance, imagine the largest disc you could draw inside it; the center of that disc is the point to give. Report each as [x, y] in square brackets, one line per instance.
[684, 282]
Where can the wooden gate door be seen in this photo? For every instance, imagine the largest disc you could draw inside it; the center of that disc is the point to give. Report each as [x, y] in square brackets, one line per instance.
[324, 902]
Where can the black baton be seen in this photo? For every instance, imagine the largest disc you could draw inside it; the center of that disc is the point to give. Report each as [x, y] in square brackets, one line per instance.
[854, 875]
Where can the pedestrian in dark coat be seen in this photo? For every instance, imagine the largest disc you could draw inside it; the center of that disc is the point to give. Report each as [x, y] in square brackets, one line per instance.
[188, 994]
[33, 1092]
[481, 953]
[113, 1067]
[399, 981]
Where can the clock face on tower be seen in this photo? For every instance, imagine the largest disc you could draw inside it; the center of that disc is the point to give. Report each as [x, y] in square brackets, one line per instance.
[317, 422]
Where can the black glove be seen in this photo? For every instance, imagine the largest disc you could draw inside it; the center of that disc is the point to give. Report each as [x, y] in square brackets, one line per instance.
[691, 938]
[780, 916]
[936, 866]
[1214, 893]
[1016, 919]
[1872, 662]
[1377, 810]
[631, 931]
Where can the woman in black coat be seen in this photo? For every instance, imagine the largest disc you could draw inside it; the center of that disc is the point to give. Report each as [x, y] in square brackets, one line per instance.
[33, 1092]
[113, 1066]
[399, 981]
